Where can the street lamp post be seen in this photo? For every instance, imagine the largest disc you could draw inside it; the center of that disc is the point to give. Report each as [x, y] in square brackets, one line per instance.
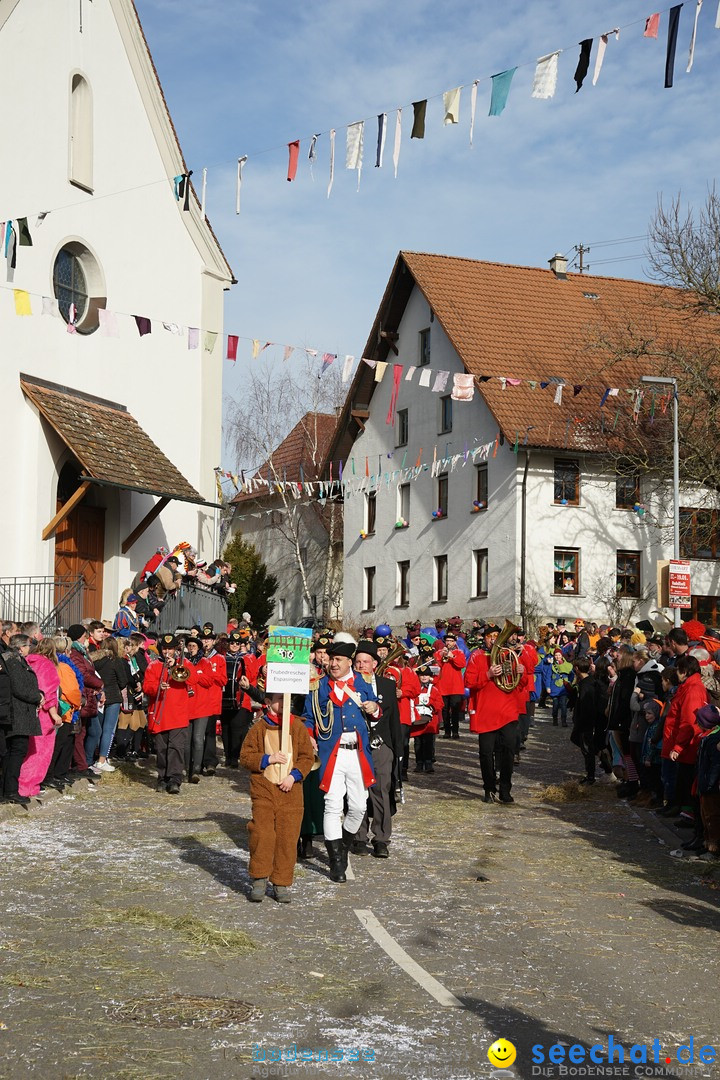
[658, 380]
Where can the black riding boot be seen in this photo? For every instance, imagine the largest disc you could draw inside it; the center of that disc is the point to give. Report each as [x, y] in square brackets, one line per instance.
[337, 854]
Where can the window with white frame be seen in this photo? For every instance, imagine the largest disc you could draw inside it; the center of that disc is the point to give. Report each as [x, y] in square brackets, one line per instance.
[480, 572]
[481, 486]
[424, 347]
[402, 428]
[566, 564]
[369, 589]
[402, 586]
[441, 578]
[446, 417]
[442, 494]
[403, 503]
[370, 511]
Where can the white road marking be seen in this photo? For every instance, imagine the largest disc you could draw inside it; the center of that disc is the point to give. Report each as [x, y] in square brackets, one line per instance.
[402, 959]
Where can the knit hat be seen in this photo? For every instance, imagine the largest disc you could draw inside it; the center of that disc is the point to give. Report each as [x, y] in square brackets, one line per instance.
[651, 708]
[708, 716]
[76, 631]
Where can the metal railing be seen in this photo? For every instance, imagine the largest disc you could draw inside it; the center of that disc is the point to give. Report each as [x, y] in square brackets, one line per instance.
[192, 605]
[49, 601]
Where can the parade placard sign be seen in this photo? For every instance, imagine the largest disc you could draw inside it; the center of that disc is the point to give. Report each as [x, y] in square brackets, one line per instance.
[680, 586]
[288, 660]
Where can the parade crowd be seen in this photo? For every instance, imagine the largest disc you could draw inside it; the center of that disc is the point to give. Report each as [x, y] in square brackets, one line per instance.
[639, 705]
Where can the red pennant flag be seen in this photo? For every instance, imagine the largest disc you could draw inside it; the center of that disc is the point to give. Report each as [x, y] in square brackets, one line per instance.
[232, 347]
[294, 151]
[418, 463]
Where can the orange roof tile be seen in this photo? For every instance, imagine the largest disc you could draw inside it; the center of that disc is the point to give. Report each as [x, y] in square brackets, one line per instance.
[302, 454]
[527, 323]
[108, 442]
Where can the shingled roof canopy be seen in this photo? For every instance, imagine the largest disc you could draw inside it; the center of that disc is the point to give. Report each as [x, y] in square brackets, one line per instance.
[302, 455]
[110, 445]
[526, 323]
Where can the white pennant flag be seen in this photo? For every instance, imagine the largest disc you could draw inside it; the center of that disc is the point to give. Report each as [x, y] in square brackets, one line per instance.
[347, 368]
[546, 74]
[451, 105]
[473, 104]
[691, 57]
[602, 46]
[354, 147]
[398, 139]
[241, 162]
[332, 160]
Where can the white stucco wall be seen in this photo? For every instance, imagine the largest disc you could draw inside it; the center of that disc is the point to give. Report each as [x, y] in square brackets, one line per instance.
[596, 528]
[458, 534]
[153, 265]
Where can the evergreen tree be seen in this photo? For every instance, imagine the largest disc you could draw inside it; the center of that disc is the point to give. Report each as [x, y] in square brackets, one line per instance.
[256, 588]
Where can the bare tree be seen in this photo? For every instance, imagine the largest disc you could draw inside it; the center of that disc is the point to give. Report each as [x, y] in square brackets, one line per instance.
[675, 333]
[273, 404]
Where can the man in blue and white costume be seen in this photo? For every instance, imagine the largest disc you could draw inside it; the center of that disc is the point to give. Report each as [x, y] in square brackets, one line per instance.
[335, 715]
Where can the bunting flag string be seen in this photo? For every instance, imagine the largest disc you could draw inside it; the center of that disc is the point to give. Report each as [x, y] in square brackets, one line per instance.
[543, 86]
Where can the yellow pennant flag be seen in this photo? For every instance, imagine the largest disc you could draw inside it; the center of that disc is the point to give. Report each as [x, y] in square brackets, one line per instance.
[22, 302]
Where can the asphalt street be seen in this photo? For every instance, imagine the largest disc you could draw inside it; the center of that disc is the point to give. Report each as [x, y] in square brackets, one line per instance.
[123, 955]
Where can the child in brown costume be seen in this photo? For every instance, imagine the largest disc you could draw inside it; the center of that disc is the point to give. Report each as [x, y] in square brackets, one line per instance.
[277, 808]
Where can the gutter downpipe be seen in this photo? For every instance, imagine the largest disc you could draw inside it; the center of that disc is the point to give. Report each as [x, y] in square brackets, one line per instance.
[523, 539]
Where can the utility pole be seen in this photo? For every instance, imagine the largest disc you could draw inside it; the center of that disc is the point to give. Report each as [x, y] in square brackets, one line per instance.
[581, 250]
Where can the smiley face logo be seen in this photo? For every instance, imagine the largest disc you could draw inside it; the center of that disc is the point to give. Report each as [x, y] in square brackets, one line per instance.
[501, 1054]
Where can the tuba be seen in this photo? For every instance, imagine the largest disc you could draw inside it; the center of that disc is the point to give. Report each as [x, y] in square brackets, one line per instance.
[512, 671]
[383, 667]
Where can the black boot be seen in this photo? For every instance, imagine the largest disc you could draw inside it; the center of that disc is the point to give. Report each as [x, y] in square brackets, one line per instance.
[305, 848]
[337, 854]
[348, 840]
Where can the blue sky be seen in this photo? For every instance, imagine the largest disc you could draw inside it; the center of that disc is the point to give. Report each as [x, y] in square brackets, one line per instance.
[246, 77]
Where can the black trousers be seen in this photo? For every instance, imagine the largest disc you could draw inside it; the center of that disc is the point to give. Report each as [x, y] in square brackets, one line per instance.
[170, 747]
[424, 749]
[498, 745]
[62, 754]
[584, 739]
[452, 709]
[210, 755]
[406, 746]
[16, 748]
[235, 725]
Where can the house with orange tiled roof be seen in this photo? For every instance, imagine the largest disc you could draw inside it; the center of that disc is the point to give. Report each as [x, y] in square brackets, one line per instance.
[111, 415]
[515, 508]
[295, 525]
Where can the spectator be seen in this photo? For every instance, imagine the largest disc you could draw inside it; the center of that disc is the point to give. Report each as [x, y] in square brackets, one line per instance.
[44, 662]
[26, 700]
[111, 668]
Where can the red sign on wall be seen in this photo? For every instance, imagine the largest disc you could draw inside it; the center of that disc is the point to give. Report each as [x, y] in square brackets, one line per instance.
[680, 587]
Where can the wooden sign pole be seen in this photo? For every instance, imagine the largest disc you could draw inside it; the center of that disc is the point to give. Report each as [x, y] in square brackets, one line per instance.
[285, 747]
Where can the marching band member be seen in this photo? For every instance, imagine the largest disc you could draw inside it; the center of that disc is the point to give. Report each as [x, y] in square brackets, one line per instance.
[335, 715]
[425, 716]
[168, 712]
[494, 717]
[450, 684]
[386, 744]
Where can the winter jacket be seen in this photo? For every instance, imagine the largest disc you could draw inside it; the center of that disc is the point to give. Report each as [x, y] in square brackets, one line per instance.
[708, 763]
[26, 696]
[588, 715]
[559, 675]
[409, 686]
[5, 696]
[113, 672]
[168, 709]
[619, 715]
[92, 683]
[48, 680]
[691, 695]
[211, 678]
[450, 680]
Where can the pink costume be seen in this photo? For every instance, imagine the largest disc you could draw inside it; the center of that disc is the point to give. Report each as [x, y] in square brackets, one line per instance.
[40, 749]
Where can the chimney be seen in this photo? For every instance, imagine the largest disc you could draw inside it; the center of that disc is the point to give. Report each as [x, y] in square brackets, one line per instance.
[558, 265]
